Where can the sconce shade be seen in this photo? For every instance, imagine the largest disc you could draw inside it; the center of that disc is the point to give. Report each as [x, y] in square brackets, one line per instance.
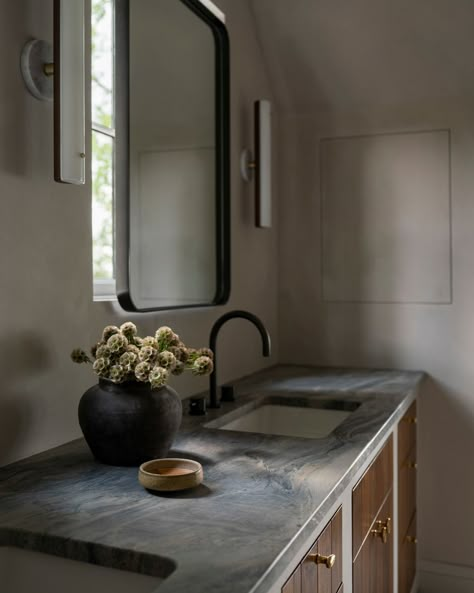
[263, 164]
[69, 92]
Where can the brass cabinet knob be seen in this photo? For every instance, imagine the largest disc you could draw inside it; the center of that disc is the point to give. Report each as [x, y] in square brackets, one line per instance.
[412, 465]
[382, 530]
[328, 561]
[411, 539]
[411, 419]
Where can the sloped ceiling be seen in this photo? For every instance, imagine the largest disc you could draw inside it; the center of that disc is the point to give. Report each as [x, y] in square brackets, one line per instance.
[353, 54]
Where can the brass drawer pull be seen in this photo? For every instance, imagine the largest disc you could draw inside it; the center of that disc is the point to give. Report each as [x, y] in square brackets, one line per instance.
[411, 419]
[411, 539]
[382, 530]
[328, 561]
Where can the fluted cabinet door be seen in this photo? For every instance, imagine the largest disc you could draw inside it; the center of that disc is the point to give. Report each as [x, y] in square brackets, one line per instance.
[373, 565]
[407, 479]
[362, 568]
[325, 549]
[320, 571]
[372, 526]
[336, 537]
[407, 559]
[309, 573]
[293, 584]
[382, 560]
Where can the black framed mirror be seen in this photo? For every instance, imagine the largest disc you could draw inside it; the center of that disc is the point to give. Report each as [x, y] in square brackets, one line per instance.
[172, 155]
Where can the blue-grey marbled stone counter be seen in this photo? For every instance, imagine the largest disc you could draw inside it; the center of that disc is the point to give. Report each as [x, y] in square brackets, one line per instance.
[262, 495]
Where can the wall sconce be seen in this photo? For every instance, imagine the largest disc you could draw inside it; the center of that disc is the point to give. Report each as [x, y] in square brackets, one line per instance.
[261, 163]
[59, 72]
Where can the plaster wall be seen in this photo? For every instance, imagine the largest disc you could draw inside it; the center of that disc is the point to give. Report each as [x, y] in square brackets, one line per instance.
[370, 68]
[437, 338]
[46, 303]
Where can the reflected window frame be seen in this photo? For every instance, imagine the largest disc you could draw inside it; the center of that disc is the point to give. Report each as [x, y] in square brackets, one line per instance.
[104, 288]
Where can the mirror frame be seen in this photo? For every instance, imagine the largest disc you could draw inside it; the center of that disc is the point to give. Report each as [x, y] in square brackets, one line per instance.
[122, 156]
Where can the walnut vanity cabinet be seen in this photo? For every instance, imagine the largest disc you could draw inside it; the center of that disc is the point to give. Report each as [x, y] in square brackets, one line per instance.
[407, 466]
[372, 534]
[321, 569]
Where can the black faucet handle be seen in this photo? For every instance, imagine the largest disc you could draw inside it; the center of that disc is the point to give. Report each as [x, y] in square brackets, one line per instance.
[197, 406]
[227, 393]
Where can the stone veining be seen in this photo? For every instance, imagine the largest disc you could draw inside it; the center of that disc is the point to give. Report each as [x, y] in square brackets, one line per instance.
[262, 495]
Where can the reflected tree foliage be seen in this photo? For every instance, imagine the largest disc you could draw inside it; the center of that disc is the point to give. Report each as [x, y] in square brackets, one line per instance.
[102, 139]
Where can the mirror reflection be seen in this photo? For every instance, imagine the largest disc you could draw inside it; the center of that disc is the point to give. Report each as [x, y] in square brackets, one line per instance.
[175, 156]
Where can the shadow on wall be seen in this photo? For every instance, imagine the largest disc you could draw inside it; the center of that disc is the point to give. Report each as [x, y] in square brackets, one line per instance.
[300, 210]
[25, 356]
[14, 134]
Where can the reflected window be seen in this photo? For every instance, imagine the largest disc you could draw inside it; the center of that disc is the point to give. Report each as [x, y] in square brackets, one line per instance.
[103, 147]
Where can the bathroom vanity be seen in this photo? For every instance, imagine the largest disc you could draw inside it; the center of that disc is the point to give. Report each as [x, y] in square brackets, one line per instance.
[275, 514]
[378, 529]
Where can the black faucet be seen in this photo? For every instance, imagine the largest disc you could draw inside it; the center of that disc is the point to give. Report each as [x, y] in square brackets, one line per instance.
[213, 402]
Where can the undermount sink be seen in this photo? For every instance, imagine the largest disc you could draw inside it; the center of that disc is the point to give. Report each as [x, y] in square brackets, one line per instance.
[283, 417]
[26, 571]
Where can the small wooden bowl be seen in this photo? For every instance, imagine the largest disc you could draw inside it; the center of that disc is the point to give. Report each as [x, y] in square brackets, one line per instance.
[168, 475]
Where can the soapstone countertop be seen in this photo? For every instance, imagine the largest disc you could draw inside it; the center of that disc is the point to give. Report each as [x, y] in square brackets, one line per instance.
[262, 495]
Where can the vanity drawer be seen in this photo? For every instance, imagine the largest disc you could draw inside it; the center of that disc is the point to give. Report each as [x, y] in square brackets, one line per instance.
[373, 565]
[330, 542]
[313, 575]
[318, 578]
[407, 433]
[407, 491]
[369, 493]
[407, 558]
[324, 548]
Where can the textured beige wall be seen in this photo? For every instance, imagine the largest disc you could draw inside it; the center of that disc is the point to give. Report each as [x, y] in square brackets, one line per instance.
[45, 252]
[370, 67]
[437, 338]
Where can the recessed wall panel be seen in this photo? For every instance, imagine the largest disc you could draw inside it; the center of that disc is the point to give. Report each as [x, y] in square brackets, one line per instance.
[386, 218]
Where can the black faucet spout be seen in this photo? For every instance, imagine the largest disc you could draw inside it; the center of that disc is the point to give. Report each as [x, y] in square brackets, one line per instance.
[266, 346]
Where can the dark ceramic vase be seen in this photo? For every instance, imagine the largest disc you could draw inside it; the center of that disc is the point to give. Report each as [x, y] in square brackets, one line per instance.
[129, 423]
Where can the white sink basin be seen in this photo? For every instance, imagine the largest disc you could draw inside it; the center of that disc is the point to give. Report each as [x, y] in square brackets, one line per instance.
[24, 571]
[292, 421]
